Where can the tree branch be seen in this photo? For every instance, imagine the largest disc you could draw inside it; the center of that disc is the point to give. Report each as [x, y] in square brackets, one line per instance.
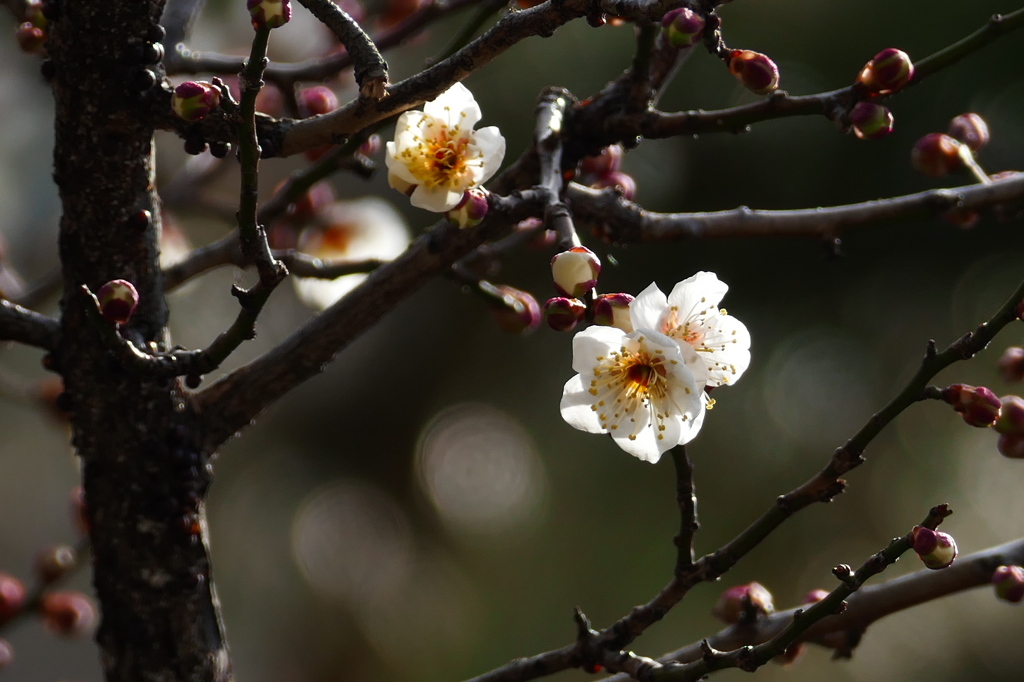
[619, 220]
[27, 326]
[371, 70]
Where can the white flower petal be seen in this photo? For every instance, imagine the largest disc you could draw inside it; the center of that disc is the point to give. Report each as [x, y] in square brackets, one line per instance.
[436, 199]
[648, 308]
[592, 345]
[456, 107]
[700, 292]
[491, 144]
[725, 349]
[576, 407]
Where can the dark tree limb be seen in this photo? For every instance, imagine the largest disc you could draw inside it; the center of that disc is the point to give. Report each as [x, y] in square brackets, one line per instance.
[27, 326]
[620, 220]
[371, 70]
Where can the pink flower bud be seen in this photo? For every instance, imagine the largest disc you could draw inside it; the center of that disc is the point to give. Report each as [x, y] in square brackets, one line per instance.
[743, 603]
[575, 271]
[371, 146]
[517, 312]
[70, 614]
[620, 181]
[52, 563]
[756, 71]
[193, 100]
[936, 549]
[608, 161]
[563, 314]
[316, 100]
[870, 121]
[6, 654]
[971, 130]
[889, 71]
[612, 310]
[1011, 364]
[471, 211]
[1011, 447]
[12, 596]
[1011, 417]
[269, 13]
[683, 27]
[118, 299]
[936, 155]
[976, 404]
[1009, 583]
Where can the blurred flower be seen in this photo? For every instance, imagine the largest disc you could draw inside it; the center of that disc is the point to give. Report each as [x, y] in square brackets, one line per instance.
[1010, 421]
[643, 388]
[623, 182]
[12, 596]
[691, 316]
[936, 155]
[361, 229]
[436, 155]
[516, 311]
[1011, 364]
[69, 613]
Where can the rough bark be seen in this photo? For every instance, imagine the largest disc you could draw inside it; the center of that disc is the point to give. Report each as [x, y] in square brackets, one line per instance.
[144, 476]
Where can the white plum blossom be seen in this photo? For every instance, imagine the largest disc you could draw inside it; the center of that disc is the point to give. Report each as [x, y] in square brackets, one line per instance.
[356, 230]
[643, 388]
[690, 315]
[436, 155]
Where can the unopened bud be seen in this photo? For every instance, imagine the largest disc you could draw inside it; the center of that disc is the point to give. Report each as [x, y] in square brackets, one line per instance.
[563, 314]
[269, 13]
[70, 613]
[318, 99]
[1011, 417]
[12, 596]
[371, 146]
[471, 211]
[870, 121]
[970, 129]
[756, 71]
[516, 311]
[976, 404]
[31, 38]
[1011, 364]
[193, 100]
[889, 71]
[683, 27]
[6, 654]
[575, 271]
[623, 182]
[118, 299]
[1009, 583]
[743, 603]
[936, 154]
[936, 549]
[54, 563]
[612, 310]
[815, 596]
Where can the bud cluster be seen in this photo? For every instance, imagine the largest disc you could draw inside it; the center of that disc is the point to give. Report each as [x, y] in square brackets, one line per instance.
[938, 154]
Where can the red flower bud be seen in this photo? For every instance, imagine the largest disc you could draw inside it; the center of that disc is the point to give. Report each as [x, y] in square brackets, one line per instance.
[936, 155]
[6, 654]
[318, 99]
[70, 614]
[12, 596]
[1011, 364]
[1011, 447]
[971, 130]
[756, 71]
[683, 27]
[1011, 417]
[31, 38]
[870, 121]
[976, 404]
[563, 314]
[269, 13]
[889, 71]
[612, 310]
[1009, 583]
[471, 211]
[936, 549]
[517, 311]
[743, 603]
[620, 181]
[193, 100]
[118, 300]
[608, 161]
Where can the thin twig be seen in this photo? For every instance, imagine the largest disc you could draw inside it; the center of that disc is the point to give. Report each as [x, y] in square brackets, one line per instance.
[686, 498]
[371, 71]
[27, 326]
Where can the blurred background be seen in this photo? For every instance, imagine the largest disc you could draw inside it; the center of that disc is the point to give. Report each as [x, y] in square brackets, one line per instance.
[420, 512]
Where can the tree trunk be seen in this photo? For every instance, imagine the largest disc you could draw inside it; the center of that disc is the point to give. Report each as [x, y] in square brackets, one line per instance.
[145, 478]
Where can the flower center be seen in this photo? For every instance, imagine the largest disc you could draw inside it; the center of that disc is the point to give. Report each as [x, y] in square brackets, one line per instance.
[440, 161]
